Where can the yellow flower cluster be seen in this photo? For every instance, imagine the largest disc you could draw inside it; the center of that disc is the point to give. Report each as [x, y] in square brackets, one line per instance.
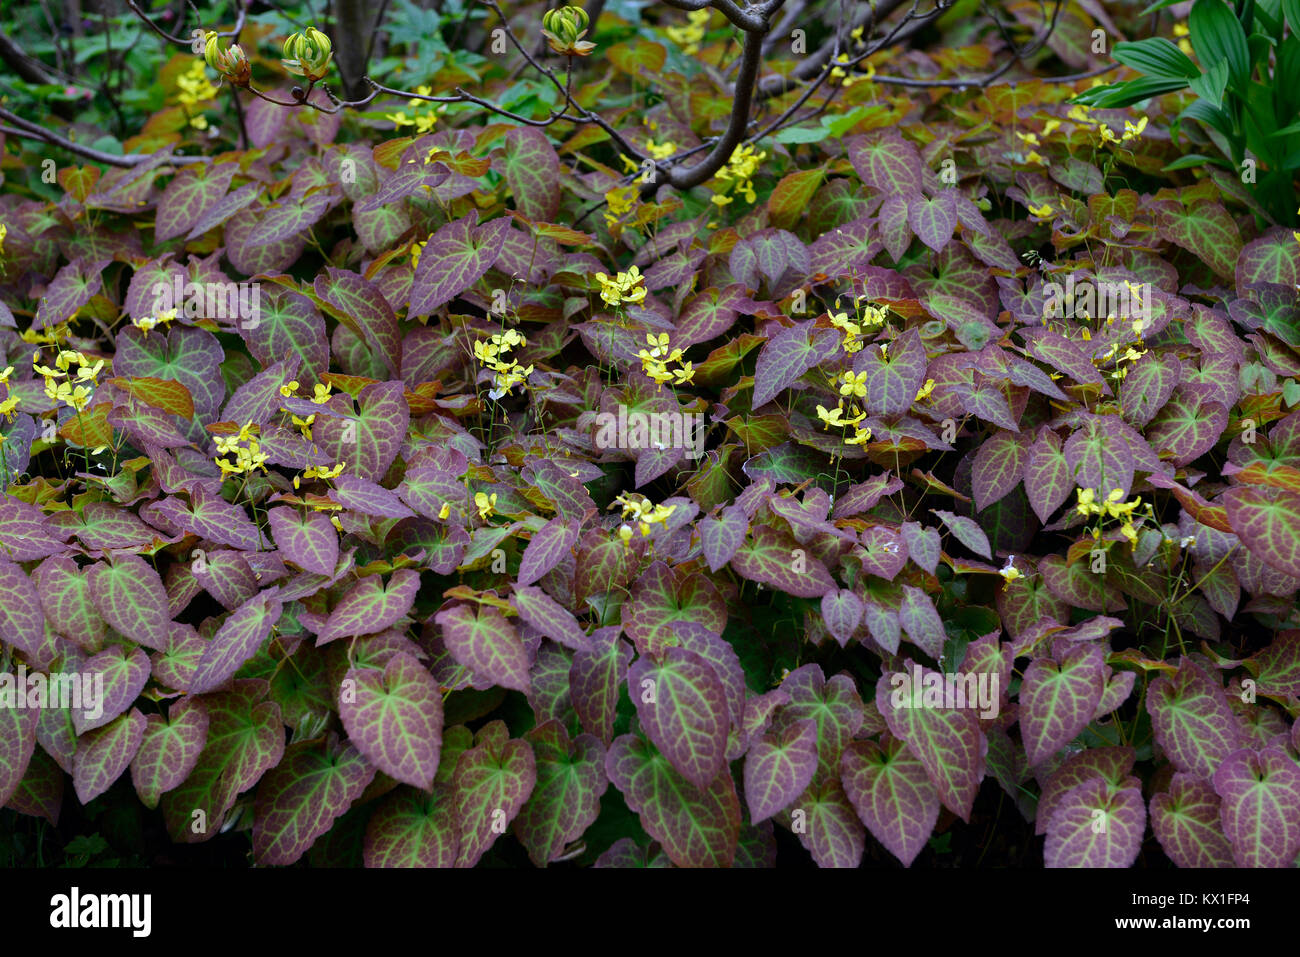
[739, 173]
[625, 287]
[8, 405]
[1081, 114]
[1112, 507]
[654, 361]
[845, 79]
[835, 417]
[640, 510]
[147, 324]
[426, 114]
[620, 202]
[246, 449]
[321, 393]
[195, 89]
[869, 319]
[1032, 140]
[78, 395]
[508, 372]
[1182, 33]
[319, 472]
[689, 36]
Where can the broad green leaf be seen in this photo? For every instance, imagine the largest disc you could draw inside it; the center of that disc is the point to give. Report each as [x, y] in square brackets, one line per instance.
[302, 797]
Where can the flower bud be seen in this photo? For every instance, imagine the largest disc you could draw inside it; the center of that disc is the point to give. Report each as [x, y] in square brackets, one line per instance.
[231, 64]
[308, 54]
[564, 29]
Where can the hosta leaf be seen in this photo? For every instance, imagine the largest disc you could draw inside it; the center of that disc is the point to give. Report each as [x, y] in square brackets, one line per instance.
[493, 780]
[103, 754]
[682, 706]
[698, 827]
[892, 794]
[1188, 824]
[302, 797]
[169, 749]
[948, 741]
[130, 596]
[483, 641]
[413, 829]
[305, 538]
[788, 355]
[566, 799]
[1192, 720]
[779, 767]
[371, 606]
[775, 559]
[1260, 791]
[1058, 700]
[394, 717]
[458, 255]
[1097, 825]
[595, 678]
[1266, 520]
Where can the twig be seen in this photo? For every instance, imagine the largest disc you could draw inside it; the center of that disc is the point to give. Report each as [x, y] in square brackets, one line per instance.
[28, 130]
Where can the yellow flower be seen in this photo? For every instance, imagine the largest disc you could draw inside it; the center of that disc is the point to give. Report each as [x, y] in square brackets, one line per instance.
[1009, 571]
[831, 417]
[485, 504]
[4, 231]
[322, 395]
[660, 151]
[925, 390]
[290, 388]
[4, 376]
[445, 511]
[1086, 498]
[1042, 212]
[8, 405]
[854, 384]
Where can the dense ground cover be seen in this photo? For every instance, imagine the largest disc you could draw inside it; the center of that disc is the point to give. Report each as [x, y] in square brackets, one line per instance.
[543, 452]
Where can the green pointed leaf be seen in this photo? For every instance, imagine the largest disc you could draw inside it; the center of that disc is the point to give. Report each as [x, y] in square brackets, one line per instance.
[302, 797]
[169, 749]
[103, 754]
[1192, 721]
[131, 598]
[394, 717]
[413, 829]
[566, 799]
[698, 827]
[370, 606]
[493, 781]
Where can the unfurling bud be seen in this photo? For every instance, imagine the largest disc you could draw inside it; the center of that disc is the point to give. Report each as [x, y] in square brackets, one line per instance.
[564, 29]
[308, 54]
[231, 63]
